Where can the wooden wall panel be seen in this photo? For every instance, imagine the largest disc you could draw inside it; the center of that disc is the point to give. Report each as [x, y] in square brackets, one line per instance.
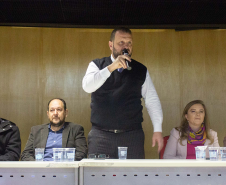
[37, 64]
[158, 50]
[19, 61]
[204, 73]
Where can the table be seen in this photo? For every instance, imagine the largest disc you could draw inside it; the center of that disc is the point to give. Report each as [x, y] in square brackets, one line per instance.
[148, 172]
[114, 172]
[38, 173]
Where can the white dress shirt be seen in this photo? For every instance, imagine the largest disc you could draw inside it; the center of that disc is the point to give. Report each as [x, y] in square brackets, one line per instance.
[95, 78]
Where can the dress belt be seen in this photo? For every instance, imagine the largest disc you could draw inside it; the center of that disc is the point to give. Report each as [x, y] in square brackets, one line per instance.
[116, 131]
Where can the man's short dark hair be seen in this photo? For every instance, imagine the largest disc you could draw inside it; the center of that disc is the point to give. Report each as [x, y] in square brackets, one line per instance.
[65, 106]
[122, 29]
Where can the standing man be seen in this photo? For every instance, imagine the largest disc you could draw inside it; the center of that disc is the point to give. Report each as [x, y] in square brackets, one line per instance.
[56, 134]
[116, 110]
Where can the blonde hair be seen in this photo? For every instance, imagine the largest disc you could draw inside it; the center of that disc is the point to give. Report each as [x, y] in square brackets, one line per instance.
[183, 128]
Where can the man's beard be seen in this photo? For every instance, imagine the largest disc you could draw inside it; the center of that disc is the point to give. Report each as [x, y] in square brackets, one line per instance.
[116, 54]
[59, 124]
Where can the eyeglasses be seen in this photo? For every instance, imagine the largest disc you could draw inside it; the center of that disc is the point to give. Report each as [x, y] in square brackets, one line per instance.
[98, 156]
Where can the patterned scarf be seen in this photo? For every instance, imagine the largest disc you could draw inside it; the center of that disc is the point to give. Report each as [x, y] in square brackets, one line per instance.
[197, 138]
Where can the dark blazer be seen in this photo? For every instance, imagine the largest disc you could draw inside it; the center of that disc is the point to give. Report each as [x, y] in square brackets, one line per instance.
[73, 137]
[10, 143]
[224, 141]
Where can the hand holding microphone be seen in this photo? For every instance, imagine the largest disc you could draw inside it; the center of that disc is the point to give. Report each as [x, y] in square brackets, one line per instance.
[120, 62]
[125, 52]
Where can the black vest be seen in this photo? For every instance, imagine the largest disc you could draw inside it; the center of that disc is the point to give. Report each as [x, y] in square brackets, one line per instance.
[117, 103]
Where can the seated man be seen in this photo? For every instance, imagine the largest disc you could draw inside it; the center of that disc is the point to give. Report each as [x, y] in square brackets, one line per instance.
[10, 143]
[56, 134]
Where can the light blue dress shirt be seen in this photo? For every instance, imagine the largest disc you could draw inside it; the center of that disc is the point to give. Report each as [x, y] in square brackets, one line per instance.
[54, 140]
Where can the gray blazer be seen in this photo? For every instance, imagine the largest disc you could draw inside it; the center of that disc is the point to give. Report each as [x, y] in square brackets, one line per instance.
[174, 150]
[73, 137]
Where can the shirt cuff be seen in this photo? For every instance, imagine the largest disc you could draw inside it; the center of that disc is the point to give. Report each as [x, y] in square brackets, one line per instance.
[158, 128]
[105, 73]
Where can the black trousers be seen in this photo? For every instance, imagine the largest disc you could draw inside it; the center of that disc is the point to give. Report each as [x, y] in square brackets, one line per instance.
[103, 142]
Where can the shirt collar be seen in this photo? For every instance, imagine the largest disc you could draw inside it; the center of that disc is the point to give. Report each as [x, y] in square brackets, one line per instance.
[58, 130]
[112, 58]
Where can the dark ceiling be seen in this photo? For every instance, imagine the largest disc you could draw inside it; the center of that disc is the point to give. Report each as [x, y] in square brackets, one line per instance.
[110, 13]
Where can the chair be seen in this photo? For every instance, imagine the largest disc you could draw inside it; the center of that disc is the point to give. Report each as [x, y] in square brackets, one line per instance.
[165, 139]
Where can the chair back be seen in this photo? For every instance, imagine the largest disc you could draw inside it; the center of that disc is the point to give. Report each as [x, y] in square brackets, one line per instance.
[165, 139]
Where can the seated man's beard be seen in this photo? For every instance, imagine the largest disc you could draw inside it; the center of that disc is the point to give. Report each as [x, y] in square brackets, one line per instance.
[60, 123]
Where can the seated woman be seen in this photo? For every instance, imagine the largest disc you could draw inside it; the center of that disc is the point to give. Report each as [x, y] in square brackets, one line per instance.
[193, 131]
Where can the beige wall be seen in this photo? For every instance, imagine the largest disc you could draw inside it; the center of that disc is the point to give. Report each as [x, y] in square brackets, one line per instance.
[37, 64]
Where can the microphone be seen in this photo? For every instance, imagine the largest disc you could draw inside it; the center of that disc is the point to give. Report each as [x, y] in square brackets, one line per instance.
[125, 52]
